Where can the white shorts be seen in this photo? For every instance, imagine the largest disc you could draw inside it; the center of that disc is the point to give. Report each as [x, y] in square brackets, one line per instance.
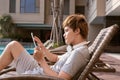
[26, 64]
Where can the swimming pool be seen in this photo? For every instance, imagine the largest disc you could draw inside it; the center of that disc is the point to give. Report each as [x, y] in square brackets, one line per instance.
[30, 49]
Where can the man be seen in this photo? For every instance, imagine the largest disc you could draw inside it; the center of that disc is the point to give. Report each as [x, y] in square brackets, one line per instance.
[66, 66]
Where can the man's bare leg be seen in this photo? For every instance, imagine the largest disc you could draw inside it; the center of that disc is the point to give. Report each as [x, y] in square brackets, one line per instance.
[11, 52]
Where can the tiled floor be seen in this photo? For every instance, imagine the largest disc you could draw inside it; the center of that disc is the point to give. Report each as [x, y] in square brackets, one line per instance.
[116, 55]
[113, 59]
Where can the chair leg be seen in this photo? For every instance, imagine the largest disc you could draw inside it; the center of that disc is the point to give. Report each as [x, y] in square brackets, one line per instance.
[91, 76]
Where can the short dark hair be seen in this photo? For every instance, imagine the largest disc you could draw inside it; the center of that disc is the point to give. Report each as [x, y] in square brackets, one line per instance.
[76, 21]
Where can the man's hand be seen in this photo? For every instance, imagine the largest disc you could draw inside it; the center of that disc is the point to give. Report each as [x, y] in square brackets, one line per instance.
[38, 54]
[39, 43]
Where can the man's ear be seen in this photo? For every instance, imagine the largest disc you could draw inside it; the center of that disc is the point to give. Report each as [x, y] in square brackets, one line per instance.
[77, 31]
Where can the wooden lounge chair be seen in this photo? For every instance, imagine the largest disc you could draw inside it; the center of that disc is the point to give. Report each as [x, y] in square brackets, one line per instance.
[30, 77]
[95, 49]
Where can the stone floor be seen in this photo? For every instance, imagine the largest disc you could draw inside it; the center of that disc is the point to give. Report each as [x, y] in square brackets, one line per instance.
[113, 59]
[116, 55]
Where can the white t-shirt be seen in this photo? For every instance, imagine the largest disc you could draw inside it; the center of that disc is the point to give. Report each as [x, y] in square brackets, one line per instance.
[74, 60]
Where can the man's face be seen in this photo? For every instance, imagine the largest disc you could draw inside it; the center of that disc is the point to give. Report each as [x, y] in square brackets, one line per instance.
[69, 35]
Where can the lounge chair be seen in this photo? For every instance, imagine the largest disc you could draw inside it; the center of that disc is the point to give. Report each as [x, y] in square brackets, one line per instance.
[95, 49]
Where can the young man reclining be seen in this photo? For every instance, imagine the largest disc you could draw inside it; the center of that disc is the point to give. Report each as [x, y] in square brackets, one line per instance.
[66, 66]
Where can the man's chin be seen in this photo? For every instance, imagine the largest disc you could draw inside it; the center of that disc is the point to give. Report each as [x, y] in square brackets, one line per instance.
[67, 43]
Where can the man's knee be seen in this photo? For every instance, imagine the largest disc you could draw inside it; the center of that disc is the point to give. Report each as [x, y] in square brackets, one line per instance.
[14, 43]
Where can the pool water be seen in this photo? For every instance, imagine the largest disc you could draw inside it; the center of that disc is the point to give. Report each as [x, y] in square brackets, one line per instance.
[30, 50]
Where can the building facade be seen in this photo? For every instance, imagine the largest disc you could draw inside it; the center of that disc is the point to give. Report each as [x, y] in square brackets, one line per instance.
[36, 16]
[104, 13]
[33, 15]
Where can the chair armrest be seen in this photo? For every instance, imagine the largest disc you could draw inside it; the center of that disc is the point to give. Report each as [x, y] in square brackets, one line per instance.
[30, 77]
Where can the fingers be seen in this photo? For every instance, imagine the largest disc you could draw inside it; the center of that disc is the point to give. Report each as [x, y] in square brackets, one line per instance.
[37, 48]
[37, 40]
[38, 54]
[39, 43]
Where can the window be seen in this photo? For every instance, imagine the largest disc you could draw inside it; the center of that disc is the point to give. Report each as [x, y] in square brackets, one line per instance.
[12, 6]
[30, 6]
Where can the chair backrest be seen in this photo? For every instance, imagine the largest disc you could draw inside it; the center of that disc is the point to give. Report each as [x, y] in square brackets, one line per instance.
[97, 47]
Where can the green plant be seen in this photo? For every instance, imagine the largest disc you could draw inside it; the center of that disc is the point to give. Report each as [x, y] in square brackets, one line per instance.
[55, 45]
[6, 25]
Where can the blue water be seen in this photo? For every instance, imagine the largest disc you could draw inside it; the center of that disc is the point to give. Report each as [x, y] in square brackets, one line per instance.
[29, 49]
